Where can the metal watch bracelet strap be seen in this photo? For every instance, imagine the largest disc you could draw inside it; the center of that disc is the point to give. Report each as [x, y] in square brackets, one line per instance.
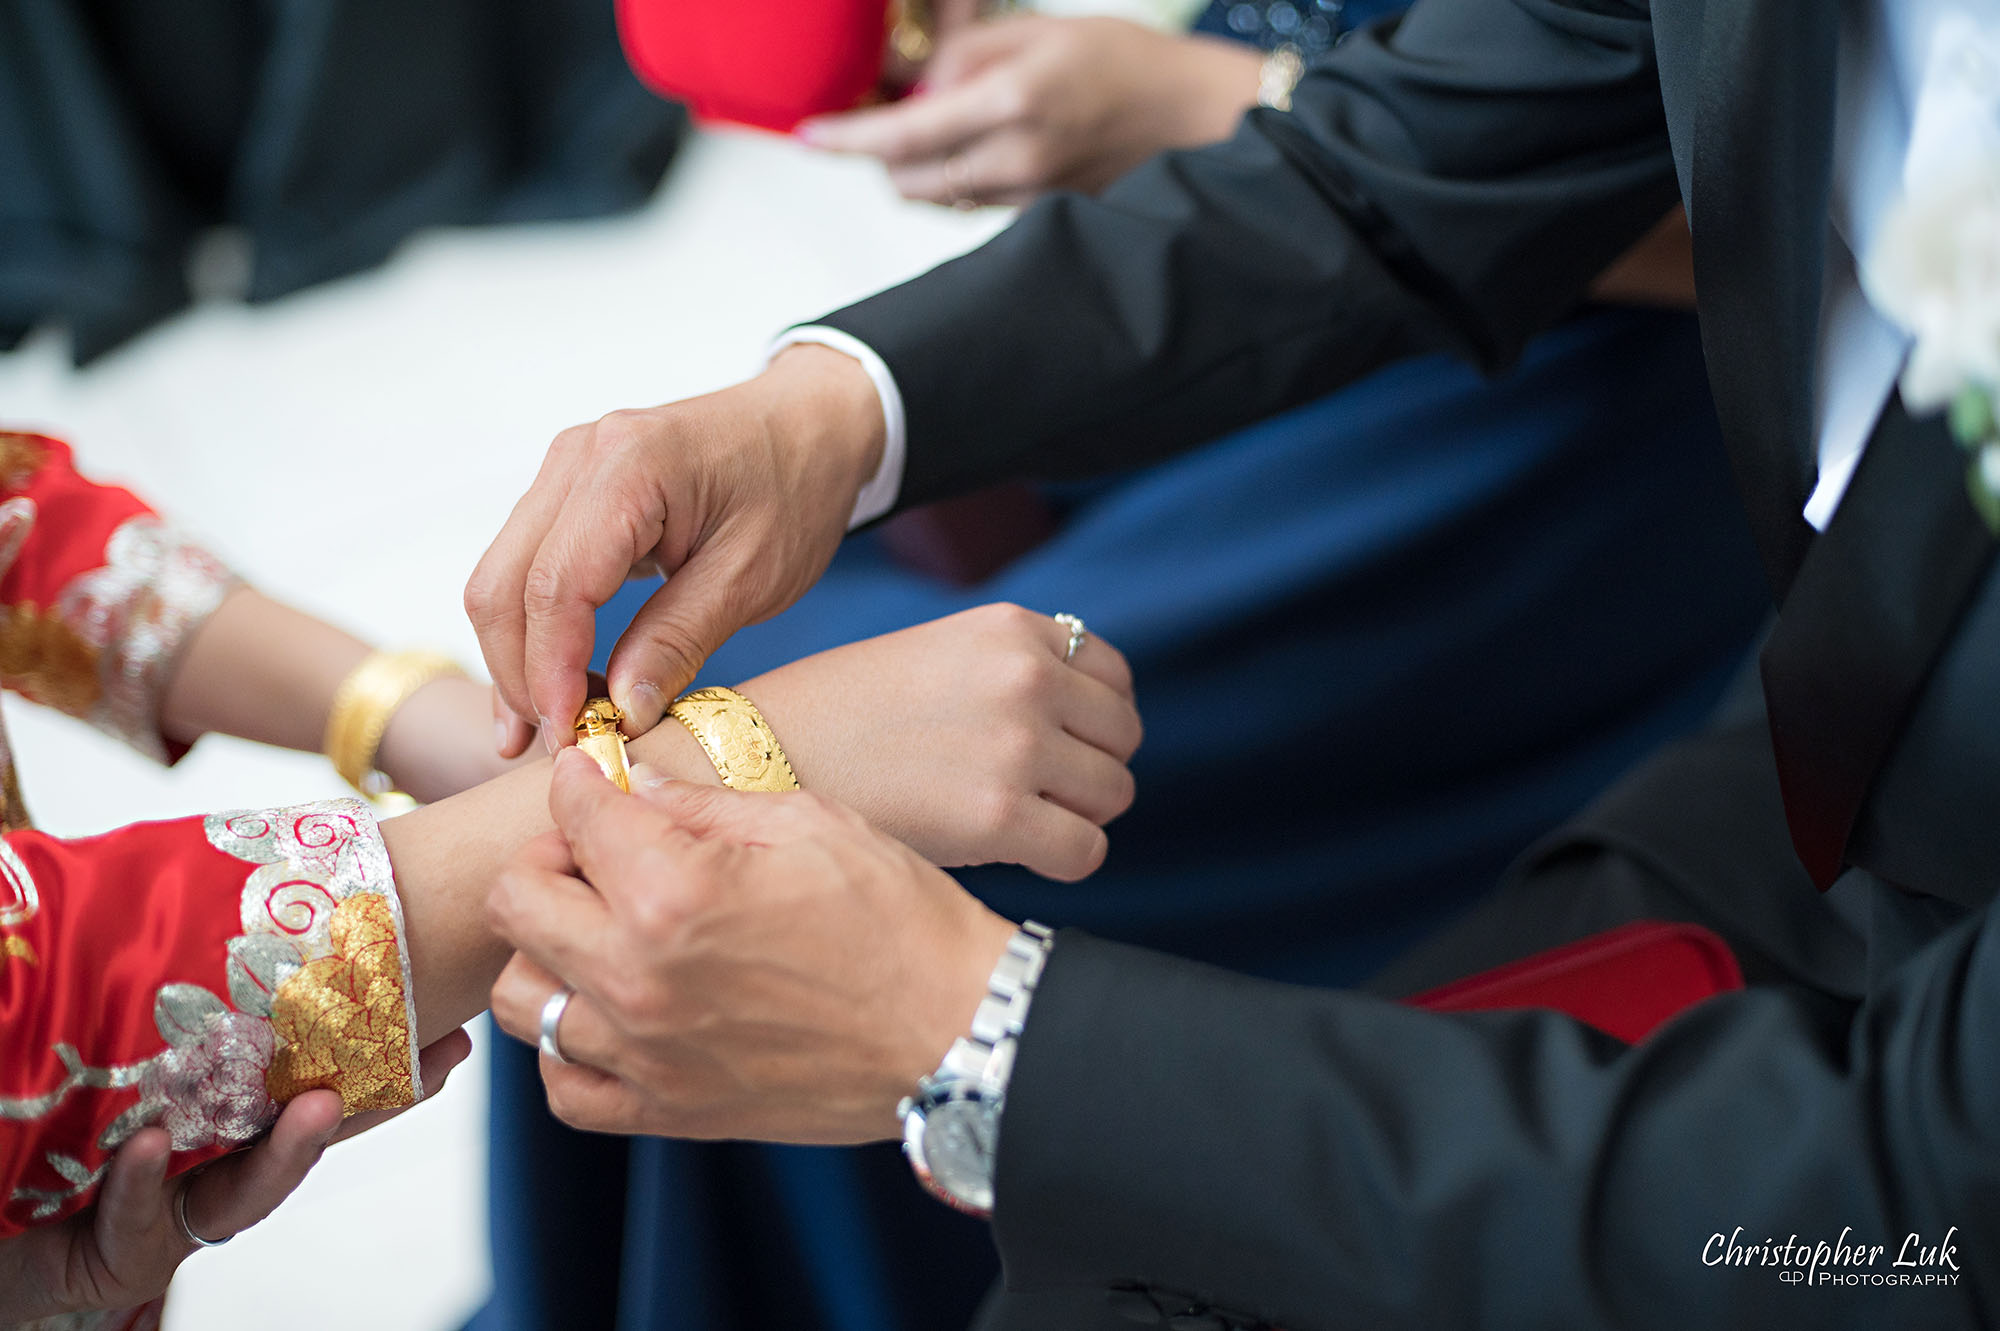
[987, 1055]
[951, 1126]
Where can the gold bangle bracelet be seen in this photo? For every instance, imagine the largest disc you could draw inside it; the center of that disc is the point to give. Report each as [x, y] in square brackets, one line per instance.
[362, 706]
[737, 739]
[598, 734]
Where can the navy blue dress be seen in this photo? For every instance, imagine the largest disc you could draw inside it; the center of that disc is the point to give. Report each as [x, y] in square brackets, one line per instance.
[1381, 642]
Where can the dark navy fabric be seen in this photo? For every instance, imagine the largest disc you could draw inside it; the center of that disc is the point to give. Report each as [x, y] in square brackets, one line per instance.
[1381, 642]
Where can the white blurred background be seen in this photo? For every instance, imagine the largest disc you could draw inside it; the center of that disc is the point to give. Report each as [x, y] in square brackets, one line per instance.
[352, 449]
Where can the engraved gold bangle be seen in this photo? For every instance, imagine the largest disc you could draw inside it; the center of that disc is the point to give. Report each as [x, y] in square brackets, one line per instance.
[598, 734]
[737, 739]
[361, 709]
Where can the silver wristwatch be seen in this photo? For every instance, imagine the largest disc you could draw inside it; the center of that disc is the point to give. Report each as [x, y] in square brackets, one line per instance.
[951, 1126]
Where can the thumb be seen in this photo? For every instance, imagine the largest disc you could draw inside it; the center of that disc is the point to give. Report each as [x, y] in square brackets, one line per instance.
[674, 632]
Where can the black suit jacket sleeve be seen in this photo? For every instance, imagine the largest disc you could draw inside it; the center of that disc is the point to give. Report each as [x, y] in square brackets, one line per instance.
[1324, 1159]
[1452, 181]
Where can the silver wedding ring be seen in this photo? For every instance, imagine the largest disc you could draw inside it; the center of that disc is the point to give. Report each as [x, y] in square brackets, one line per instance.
[181, 1220]
[552, 1015]
[1077, 635]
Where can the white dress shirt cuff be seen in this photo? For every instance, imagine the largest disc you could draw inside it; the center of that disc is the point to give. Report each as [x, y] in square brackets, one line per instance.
[878, 496]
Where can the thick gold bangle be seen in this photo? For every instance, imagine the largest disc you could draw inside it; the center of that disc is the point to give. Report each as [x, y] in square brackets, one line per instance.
[362, 706]
[598, 734]
[737, 739]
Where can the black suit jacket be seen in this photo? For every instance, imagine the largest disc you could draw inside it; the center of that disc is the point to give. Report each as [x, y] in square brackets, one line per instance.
[1207, 1146]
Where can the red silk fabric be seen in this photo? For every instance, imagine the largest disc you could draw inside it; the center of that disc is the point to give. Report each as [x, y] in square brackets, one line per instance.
[1626, 982]
[768, 65]
[74, 521]
[120, 915]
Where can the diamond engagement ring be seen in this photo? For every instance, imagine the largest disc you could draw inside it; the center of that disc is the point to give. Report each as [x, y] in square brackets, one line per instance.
[552, 1015]
[1077, 634]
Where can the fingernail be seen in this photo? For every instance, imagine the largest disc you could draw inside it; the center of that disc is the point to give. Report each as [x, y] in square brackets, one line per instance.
[644, 706]
[649, 776]
[808, 131]
[500, 736]
[548, 734]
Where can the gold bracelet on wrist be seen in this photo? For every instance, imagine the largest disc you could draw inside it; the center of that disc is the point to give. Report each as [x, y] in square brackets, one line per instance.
[1279, 76]
[361, 709]
[598, 734]
[737, 739]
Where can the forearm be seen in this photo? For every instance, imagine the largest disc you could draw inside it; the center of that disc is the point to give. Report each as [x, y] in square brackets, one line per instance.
[1349, 1155]
[447, 855]
[1211, 288]
[261, 670]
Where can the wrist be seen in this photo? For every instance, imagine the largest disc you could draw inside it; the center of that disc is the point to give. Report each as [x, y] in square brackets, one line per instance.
[962, 977]
[820, 405]
[1220, 81]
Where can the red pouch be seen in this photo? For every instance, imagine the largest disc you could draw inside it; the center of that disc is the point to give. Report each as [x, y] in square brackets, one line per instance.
[769, 65]
[1626, 982]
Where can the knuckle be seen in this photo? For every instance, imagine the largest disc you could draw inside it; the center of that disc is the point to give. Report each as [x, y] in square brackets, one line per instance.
[544, 588]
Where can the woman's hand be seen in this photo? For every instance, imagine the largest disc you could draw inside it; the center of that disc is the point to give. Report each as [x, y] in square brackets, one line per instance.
[124, 1250]
[967, 738]
[1020, 105]
[445, 738]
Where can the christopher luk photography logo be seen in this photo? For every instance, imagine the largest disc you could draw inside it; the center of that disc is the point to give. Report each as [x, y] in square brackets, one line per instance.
[1846, 1261]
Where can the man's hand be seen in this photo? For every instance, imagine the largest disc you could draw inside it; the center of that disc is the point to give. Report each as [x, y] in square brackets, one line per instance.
[739, 497]
[745, 965]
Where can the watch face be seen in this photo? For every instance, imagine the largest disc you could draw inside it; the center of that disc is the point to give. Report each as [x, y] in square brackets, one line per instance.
[959, 1141]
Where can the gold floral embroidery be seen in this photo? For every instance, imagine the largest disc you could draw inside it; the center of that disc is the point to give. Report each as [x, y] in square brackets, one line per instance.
[341, 1021]
[21, 456]
[42, 657]
[19, 949]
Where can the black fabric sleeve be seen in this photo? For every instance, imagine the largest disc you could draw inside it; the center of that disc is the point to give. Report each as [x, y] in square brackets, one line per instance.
[1450, 180]
[1318, 1159]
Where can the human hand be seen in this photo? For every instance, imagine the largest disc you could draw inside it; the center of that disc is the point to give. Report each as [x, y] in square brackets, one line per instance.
[1023, 104]
[124, 1250]
[740, 497]
[445, 738]
[967, 738]
[745, 965]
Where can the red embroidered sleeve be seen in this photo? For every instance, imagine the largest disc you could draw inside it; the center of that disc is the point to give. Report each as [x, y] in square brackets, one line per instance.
[195, 974]
[100, 597]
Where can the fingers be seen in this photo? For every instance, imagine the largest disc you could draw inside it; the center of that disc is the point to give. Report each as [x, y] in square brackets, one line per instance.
[1061, 845]
[594, 1101]
[524, 989]
[135, 1196]
[552, 917]
[677, 629]
[435, 1062]
[1087, 781]
[746, 818]
[512, 732]
[493, 595]
[237, 1191]
[1005, 166]
[1099, 715]
[580, 565]
[1094, 657]
[965, 52]
[918, 128]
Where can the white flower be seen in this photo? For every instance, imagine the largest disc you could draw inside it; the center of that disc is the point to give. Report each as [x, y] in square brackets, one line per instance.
[1934, 270]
